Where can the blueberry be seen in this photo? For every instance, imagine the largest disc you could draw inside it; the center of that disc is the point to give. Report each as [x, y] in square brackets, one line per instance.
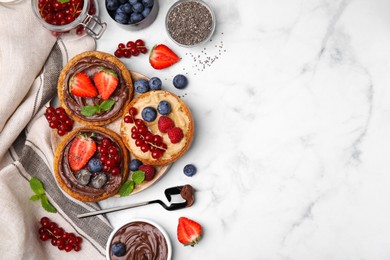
[149, 114]
[83, 177]
[132, 2]
[138, 7]
[189, 170]
[125, 8]
[147, 3]
[136, 18]
[155, 83]
[95, 165]
[141, 85]
[122, 1]
[122, 18]
[180, 81]
[99, 180]
[164, 108]
[112, 5]
[134, 165]
[146, 11]
[118, 249]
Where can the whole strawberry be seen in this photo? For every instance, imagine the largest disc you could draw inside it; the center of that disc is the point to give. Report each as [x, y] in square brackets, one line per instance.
[189, 231]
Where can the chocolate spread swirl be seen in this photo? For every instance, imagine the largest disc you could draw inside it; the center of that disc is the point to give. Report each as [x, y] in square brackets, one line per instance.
[90, 65]
[143, 242]
[69, 177]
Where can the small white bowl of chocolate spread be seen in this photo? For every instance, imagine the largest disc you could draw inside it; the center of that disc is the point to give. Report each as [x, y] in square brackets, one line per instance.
[139, 239]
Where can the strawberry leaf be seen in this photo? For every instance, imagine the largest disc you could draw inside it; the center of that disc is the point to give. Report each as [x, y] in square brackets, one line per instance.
[47, 205]
[107, 104]
[90, 110]
[126, 188]
[37, 186]
[138, 177]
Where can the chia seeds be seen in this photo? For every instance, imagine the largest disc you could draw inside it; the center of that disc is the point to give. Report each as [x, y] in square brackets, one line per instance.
[190, 23]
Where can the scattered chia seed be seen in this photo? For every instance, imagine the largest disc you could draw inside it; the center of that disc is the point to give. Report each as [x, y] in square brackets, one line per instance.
[190, 23]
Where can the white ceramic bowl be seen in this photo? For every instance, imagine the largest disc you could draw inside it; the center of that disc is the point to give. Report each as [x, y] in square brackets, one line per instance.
[161, 229]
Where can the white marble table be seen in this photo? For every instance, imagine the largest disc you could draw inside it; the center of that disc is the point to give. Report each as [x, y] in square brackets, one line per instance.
[292, 137]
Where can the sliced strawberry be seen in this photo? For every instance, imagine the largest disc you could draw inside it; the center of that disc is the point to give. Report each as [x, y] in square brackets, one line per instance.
[161, 57]
[106, 82]
[81, 150]
[175, 134]
[81, 85]
[165, 123]
[188, 231]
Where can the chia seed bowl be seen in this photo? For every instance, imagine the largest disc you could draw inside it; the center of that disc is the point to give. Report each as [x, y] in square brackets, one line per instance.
[190, 23]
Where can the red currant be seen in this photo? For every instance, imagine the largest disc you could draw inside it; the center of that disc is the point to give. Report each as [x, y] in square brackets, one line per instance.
[134, 51]
[139, 42]
[128, 119]
[115, 171]
[112, 150]
[118, 53]
[130, 44]
[143, 50]
[133, 111]
[106, 142]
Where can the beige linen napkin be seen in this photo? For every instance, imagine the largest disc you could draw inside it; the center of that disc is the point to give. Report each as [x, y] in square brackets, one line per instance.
[30, 62]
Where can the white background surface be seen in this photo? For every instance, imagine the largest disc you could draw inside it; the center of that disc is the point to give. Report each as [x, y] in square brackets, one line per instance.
[292, 139]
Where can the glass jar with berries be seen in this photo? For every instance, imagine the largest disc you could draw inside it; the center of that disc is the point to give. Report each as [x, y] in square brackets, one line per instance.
[64, 16]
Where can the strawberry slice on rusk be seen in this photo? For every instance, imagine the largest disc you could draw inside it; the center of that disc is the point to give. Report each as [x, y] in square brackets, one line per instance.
[81, 85]
[80, 151]
[189, 231]
[106, 82]
[161, 57]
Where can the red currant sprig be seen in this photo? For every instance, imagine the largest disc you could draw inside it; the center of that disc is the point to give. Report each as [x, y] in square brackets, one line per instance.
[144, 139]
[58, 119]
[131, 49]
[110, 156]
[58, 237]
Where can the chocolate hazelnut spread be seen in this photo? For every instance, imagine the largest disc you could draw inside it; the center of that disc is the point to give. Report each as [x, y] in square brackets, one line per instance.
[187, 193]
[69, 177]
[143, 241]
[90, 65]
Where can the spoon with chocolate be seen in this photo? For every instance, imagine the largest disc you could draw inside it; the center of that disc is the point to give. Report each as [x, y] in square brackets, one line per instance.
[186, 192]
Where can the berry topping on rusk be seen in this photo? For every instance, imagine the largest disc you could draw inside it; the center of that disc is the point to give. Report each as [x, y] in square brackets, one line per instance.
[91, 163]
[157, 127]
[94, 88]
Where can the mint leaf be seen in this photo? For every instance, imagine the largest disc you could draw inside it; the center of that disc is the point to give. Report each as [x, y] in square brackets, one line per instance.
[47, 205]
[107, 104]
[35, 197]
[63, 1]
[126, 188]
[138, 177]
[37, 186]
[90, 110]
